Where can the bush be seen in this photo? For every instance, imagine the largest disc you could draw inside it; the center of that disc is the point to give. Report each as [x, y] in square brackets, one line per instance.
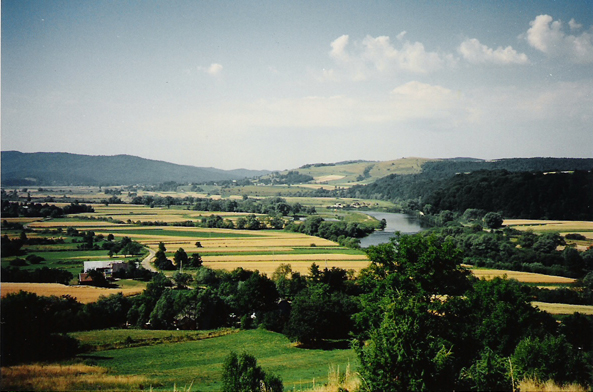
[240, 373]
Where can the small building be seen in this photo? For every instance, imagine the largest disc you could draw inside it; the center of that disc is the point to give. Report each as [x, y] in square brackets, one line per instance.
[106, 267]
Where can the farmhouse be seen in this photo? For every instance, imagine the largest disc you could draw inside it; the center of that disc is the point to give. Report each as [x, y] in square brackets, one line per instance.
[107, 268]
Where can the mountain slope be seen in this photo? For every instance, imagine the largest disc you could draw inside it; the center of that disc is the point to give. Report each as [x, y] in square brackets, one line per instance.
[44, 168]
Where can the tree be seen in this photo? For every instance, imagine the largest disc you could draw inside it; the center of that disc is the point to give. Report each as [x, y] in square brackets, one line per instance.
[195, 260]
[180, 257]
[407, 352]
[240, 373]
[493, 220]
[162, 262]
[98, 278]
[182, 279]
[319, 314]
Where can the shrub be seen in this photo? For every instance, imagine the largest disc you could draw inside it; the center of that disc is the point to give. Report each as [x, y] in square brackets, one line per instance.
[240, 373]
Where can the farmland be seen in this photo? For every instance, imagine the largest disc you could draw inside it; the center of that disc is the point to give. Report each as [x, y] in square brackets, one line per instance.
[163, 359]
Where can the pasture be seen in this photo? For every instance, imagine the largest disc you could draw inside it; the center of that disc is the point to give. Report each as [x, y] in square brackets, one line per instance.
[199, 363]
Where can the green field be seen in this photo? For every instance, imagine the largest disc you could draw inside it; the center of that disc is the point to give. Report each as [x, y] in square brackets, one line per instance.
[199, 363]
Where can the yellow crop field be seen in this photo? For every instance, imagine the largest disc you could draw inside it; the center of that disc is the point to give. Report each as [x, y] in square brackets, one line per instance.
[549, 225]
[525, 277]
[84, 294]
[287, 257]
[555, 308]
[268, 267]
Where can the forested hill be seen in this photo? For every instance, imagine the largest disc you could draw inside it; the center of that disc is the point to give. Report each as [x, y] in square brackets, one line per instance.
[533, 188]
[44, 168]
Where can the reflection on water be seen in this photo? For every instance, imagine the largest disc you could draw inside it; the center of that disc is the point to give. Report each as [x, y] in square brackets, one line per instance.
[403, 223]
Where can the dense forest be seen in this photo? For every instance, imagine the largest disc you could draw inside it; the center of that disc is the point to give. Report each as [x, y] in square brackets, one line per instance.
[534, 195]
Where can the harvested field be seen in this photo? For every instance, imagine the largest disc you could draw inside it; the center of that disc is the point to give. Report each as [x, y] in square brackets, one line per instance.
[556, 308]
[286, 258]
[84, 294]
[525, 277]
[268, 267]
[550, 225]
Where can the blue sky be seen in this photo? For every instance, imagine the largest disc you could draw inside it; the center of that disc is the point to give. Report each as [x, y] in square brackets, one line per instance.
[275, 85]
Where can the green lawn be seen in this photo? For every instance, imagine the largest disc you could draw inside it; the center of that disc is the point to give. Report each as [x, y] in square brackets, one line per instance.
[200, 362]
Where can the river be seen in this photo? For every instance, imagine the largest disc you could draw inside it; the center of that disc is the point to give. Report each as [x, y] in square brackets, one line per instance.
[403, 223]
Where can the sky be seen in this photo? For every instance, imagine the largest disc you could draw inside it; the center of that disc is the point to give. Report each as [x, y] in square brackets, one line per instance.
[278, 84]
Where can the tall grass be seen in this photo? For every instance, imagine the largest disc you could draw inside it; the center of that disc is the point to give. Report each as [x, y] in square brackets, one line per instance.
[338, 381]
[528, 385]
[75, 377]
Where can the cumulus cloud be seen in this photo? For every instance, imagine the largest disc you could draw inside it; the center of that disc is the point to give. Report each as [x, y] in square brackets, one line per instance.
[477, 53]
[547, 36]
[372, 55]
[214, 69]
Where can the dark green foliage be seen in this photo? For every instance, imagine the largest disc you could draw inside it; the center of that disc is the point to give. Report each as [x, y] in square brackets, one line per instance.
[318, 314]
[180, 257]
[493, 220]
[551, 358]
[406, 352]
[162, 262]
[98, 278]
[39, 275]
[241, 373]
[489, 373]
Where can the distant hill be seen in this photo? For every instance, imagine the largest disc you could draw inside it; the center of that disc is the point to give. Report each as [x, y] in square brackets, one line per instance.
[350, 173]
[54, 168]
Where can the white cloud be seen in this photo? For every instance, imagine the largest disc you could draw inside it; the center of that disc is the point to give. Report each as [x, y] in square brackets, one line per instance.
[338, 51]
[574, 25]
[375, 55]
[475, 52]
[546, 35]
[214, 69]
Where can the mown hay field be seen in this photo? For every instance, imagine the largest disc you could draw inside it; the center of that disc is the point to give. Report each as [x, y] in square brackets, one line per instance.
[84, 294]
[556, 308]
[525, 277]
[551, 226]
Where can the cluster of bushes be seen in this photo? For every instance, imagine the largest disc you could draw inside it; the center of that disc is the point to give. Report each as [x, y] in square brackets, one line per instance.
[34, 327]
[39, 275]
[346, 234]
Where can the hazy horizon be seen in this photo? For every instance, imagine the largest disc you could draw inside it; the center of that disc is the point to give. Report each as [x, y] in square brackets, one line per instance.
[276, 85]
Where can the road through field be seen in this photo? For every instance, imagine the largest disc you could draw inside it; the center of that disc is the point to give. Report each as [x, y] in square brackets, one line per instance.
[146, 262]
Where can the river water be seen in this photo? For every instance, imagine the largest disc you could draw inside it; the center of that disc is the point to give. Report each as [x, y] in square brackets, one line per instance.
[403, 223]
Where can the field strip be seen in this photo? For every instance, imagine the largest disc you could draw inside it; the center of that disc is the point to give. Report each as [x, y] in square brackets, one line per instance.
[556, 308]
[90, 223]
[526, 277]
[268, 267]
[285, 257]
[549, 225]
[84, 294]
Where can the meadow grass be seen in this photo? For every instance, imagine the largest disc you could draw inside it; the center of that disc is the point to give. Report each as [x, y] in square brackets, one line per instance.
[108, 339]
[199, 363]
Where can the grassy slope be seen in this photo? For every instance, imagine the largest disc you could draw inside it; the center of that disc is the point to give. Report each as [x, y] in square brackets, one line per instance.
[201, 361]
